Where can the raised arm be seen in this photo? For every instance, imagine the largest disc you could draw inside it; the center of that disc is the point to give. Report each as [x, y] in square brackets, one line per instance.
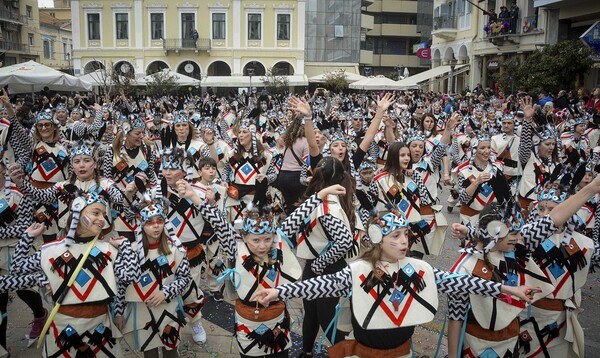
[301, 107]
[383, 103]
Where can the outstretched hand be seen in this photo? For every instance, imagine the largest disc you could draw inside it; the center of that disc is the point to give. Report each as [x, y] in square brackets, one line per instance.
[523, 293]
[527, 107]
[386, 101]
[265, 297]
[299, 105]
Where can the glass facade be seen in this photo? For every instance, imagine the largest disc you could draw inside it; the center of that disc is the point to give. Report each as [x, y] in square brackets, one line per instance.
[332, 31]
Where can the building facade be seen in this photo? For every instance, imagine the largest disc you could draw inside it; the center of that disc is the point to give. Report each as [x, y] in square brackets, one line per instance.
[19, 31]
[57, 41]
[393, 37]
[228, 39]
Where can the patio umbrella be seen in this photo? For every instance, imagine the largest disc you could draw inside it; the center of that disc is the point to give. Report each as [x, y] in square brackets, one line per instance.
[32, 77]
[376, 83]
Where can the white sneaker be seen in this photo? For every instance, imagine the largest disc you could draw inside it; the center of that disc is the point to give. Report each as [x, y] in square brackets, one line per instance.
[198, 332]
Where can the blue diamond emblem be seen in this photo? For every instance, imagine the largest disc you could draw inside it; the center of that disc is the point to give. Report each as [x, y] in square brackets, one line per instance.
[48, 165]
[412, 186]
[62, 154]
[548, 245]
[143, 165]
[3, 205]
[272, 275]
[192, 151]
[486, 189]
[176, 222]
[69, 331]
[511, 280]
[404, 205]
[397, 296]
[82, 278]
[162, 260]
[129, 179]
[246, 169]
[552, 326]
[556, 270]
[100, 328]
[409, 270]
[146, 280]
[95, 252]
[509, 255]
[262, 329]
[489, 353]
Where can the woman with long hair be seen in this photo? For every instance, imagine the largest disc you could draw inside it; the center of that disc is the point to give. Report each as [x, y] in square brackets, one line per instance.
[82, 325]
[296, 149]
[124, 159]
[391, 292]
[249, 171]
[538, 156]
[186, 137]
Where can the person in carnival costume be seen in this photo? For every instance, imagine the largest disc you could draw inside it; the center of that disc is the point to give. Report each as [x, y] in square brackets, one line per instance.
[126, 159]
[391, 293]
[154, 315]
[188, 139]
[16, 214]
[80, 324]
[495, 254]
[564, 255]
[505, 147]
[263, 259]
[188, 225]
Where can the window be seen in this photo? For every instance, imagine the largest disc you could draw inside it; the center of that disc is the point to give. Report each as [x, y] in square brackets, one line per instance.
[188, 28]
[93, 26]
[218, 26]
[283, 26]
[30, 38]
[157, 25]
[29, 11]
[254, 26]
[47, 49]
[122, 23]
[65, 52]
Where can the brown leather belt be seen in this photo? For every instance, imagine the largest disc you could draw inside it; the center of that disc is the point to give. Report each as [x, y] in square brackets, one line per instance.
[264, 313]
[194, 252]
[510, 331]
[84, 311]
[550, 304]
[426, 210]
[41, 184]
[466, 210]
[353, 348]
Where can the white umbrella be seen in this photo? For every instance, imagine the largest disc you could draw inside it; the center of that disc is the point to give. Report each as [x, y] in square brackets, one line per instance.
[350, 78]
[98, 78]
[376, 83]
[32, 77]
[180, 80]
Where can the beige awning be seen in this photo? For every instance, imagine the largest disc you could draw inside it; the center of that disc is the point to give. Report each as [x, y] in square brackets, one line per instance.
[244, 81]
[428, 75]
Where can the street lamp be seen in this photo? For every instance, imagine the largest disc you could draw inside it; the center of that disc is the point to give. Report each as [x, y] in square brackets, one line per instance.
[452, 79]
[250, 71]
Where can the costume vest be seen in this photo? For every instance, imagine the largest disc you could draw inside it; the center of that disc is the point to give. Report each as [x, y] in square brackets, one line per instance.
[406, 298]
[535, 174]
[404, 196]
[86, 187]
[429, 175]
[484, 194]
[49, 163]
[566, 266]
[194, 149]
[245, 170]
[383, 147]
[313, 240]
[95, 282]
[507, 151]
[185, 218]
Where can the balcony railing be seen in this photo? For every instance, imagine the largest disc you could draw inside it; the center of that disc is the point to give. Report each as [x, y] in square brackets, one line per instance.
[14, 46]
[186, 44]
[12, 16]
[507, 27]
[444, 22]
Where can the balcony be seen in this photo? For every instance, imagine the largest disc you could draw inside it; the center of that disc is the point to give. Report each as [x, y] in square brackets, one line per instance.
[14, 47]
[366, 57]
[444, 27]
[366, 21]
[178, 45]
[509, 32]
[13, 16]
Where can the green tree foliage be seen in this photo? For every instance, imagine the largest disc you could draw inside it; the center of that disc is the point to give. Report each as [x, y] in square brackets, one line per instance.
[551, 69]
[336, 81]
[274, 83]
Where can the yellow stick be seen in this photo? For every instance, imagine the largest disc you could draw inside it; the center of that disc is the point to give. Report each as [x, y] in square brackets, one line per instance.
[64, 293]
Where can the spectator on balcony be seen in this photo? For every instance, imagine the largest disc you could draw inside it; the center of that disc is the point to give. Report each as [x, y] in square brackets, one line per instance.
[504, 17]
[195, 37]
[492, 17]
[514, 18]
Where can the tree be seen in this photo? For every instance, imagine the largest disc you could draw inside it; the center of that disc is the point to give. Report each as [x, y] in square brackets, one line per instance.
[336, 80]
[110, 80]
[551, 69]
[275, 83]
[162, 83]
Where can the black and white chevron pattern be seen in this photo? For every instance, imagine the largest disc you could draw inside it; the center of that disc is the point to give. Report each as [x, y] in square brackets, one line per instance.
[23, 263]
[224, 231]
[24, 217]
[21, 142]
[342, 243]
[19, 282]
[526, 143]
[334, 285]
[127, 265]
[83, 129]
[458, 303]
[536, 231]
[466, 284]
[183, 279]
[295, 220]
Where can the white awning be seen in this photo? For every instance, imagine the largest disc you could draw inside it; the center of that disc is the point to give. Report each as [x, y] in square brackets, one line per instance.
[428, 75]
[244, 81]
